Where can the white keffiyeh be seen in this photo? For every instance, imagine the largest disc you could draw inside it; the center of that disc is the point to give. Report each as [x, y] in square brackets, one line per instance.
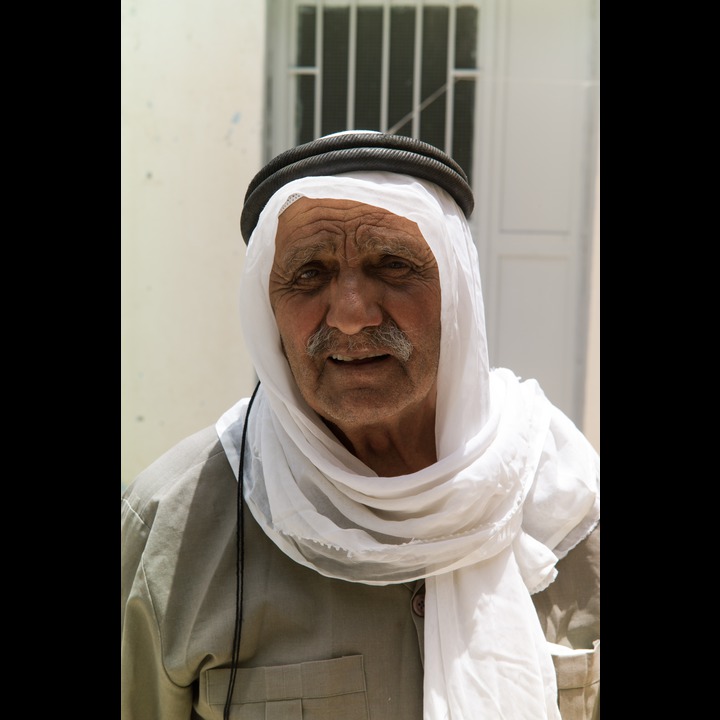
[515, 487]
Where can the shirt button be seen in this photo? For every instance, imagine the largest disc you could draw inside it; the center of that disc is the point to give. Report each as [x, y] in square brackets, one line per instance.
[418, 604]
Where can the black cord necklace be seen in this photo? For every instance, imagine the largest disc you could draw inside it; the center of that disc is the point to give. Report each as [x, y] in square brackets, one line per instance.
[239, 565]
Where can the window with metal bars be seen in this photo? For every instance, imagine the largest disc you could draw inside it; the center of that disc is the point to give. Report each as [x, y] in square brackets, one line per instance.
[403, 67]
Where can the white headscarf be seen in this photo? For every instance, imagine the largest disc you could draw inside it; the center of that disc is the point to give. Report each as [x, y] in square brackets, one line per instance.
[515, 487]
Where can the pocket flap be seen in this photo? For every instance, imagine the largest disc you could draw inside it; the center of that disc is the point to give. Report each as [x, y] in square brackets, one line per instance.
[315, 679]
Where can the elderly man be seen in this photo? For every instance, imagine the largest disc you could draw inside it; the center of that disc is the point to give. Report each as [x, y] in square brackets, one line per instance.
[387, 529]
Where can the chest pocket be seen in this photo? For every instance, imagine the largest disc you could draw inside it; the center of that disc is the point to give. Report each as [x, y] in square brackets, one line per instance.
[317, 690]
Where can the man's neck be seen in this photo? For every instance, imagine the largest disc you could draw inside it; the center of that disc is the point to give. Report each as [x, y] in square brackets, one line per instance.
[391, 450]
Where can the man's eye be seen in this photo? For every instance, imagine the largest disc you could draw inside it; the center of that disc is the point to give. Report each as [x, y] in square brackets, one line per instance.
[394, 263]
[310, 276]
[307, 274]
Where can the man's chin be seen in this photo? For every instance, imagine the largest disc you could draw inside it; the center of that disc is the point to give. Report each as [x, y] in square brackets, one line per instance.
[359, 408]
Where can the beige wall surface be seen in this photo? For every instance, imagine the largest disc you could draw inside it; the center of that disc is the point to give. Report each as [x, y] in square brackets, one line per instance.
[192, 95]
[591, 416]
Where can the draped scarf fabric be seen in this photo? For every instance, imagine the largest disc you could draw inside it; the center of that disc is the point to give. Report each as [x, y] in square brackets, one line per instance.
[515, 486]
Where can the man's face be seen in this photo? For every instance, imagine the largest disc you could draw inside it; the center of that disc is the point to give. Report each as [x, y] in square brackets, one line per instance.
[349, 269]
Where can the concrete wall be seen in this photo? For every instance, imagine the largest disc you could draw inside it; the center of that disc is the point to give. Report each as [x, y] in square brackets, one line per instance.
[192, 92]
[591, 417]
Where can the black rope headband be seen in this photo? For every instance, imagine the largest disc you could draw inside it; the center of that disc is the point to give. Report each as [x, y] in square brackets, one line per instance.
[350, 152]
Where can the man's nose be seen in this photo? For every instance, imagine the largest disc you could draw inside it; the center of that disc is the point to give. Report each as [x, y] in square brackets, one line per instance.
[354, 303]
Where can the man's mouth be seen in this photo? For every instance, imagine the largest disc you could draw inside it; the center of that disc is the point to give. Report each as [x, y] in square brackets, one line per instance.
[360, 359]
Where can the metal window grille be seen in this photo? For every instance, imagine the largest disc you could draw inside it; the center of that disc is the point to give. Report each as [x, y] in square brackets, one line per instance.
[407, 67]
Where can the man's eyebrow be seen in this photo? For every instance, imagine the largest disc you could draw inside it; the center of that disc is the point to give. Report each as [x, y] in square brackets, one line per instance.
[297, 255]
[388, 246]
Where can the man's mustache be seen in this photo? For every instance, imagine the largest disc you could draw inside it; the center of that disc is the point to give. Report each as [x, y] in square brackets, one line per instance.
[388, 337]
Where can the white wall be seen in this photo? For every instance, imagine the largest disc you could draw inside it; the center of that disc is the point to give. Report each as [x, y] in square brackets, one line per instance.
[192, 97]
[591, 415]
